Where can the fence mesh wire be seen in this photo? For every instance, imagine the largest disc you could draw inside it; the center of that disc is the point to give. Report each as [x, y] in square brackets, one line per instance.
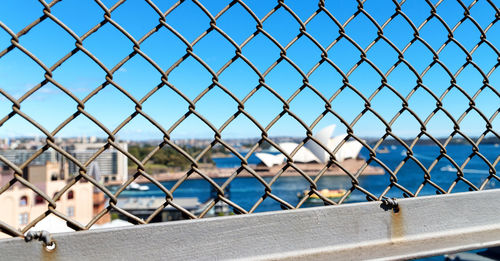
[324, 58]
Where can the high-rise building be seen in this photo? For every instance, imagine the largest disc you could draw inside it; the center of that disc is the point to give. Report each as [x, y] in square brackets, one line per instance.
[111, 163]
[20, 156]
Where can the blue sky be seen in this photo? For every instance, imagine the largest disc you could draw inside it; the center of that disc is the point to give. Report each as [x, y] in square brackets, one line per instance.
[49, 106]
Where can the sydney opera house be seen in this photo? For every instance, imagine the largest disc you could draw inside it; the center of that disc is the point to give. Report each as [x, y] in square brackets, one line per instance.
[311, 152]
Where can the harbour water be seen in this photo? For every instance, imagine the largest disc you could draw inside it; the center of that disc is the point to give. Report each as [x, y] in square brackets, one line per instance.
[246, 191]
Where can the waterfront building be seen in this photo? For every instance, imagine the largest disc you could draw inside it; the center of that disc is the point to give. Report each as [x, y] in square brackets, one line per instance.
[311, 152]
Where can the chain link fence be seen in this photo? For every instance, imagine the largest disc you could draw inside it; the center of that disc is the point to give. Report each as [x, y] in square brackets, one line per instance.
[319, 50]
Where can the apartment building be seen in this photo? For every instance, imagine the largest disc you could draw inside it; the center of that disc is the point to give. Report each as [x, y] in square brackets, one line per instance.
[21, 205]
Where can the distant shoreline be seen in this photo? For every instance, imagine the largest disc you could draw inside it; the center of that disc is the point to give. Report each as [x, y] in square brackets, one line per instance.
[310, 169]
[220, 155]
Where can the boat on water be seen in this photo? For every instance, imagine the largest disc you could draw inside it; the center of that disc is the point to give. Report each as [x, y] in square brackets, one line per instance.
[383, 150]
[137, 186]
[332, 194]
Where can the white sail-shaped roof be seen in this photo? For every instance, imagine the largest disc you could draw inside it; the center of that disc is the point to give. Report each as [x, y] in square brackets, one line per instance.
[303, 155]
[335, 141]
[350, 149]
[270, 159]
[312, 152]
[323, 136]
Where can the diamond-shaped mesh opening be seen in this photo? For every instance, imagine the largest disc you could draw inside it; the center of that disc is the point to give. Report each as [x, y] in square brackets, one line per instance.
[317, 26]
[305, 61]
[115, 113]
[261, 52]
[191, 77]
[139, 128]
[419, 56]
[459, 104]
[215, 50]
[188, 11]
[180, 110]
[237, 23]
[48, 42]
[484, 57]
[365, 78]
[434, 33]
[362, 128]
[383, 55]
[165, 106]
[216, 106]
[439, 124]
[386, 103]
[402, 79]
[422, 103]
[183, 130]
[141, 11]
[17, 126]
[109, 45]
[80, 84]
[137, 77]
[348, 104]
[80, 126]
[426, 151]
[30, 9]
[485, 102]
[285, 86]
[326, 79]
[79, 21]
[310, 100]
[406, 125]
[437, 80]
[446, 10]
[342, 11]
[263, 114]
[361, 30]
[282, 26]
[49, 94]
[452, 57]
[239, 78]
[471, 83]
[467, 34]
[344, 54]
[32, 74]
[487, 12]
[167, 39]
[399, 32]
[472, 122]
